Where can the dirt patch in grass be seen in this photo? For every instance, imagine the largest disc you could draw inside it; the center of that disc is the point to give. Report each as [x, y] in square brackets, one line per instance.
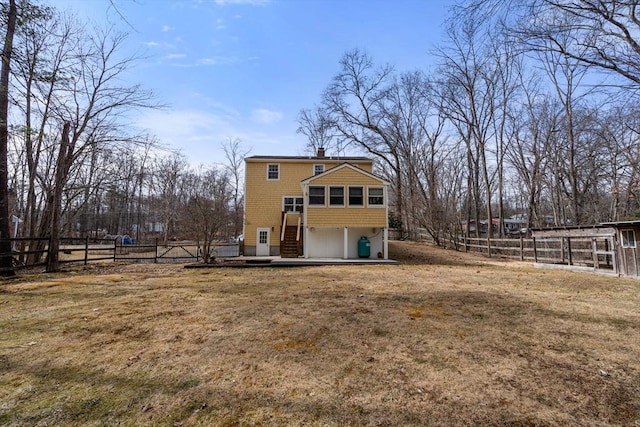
[443, 339]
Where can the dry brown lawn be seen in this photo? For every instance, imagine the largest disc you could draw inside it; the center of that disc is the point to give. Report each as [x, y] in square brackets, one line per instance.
[443, 339]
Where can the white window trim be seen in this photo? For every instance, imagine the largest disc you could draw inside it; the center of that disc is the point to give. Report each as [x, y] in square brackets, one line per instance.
[273, 164]
[309, 197]
[364, 195]
[294, 203]
[344, 196]
[384, 197]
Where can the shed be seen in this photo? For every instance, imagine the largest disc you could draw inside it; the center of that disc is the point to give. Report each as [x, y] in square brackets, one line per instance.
[626, 237]
[608, 247]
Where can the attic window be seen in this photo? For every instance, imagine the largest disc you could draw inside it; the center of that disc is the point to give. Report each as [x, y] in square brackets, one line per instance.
[273, 171]
[628, 238]
[318, 169]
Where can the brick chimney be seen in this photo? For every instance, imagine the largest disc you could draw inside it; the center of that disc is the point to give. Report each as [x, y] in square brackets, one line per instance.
[320, 151]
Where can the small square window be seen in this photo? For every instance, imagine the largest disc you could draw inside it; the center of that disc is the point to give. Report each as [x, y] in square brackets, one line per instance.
[336, 196]
[273, 171]
[318, 169]
[316, 196]
[376, 196]
[628, 238]
[356, 196]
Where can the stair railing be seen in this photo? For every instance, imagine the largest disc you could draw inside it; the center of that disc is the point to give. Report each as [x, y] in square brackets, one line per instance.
[284, 226]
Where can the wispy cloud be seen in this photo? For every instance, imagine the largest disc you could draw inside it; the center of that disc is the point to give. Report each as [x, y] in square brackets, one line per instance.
[218, 60]
[152, 44]
[167, 28]
[200, 133]
[247, 2]
[176, 56]
[220, 24]
[267, 117]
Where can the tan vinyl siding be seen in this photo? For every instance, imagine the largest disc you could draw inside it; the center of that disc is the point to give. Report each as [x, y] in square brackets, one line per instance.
[346, 217]
[263, 198]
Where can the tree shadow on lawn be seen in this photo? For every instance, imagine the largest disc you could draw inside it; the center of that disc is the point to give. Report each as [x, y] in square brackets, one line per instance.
[420, 253]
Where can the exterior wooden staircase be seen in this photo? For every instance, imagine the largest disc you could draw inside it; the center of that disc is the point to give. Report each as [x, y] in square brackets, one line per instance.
[289, 246]
[290, 239]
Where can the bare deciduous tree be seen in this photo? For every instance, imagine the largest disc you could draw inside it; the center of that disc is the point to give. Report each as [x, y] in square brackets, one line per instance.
[6, 266]
[207, 210]
[235, 155]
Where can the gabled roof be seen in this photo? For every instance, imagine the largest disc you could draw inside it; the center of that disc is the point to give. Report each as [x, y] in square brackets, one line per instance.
[342, 166]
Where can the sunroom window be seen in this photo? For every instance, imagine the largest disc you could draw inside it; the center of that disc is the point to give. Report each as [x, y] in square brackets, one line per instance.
[316, 196]
[376, 196]
[336, 196]
[356, 196]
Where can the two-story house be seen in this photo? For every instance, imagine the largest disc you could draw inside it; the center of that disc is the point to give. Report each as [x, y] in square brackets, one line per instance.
[316, 207]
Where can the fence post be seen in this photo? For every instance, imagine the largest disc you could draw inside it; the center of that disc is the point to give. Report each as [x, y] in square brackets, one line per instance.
[521, 248]
[155, 258]
[115, 248]
[489, 246]
[594, 248]
[466, 243]
[535, 250]
[569, 250]
[86, 250]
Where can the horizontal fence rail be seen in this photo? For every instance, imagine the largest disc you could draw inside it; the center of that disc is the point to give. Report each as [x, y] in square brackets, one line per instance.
[595, 252]
[33, 252]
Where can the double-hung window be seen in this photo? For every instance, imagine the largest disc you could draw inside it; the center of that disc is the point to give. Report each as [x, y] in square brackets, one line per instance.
[356, 196]
[273, 171]
[336, 196]
[292, 204]
[318, 169]
[376, 196]
[316, 196]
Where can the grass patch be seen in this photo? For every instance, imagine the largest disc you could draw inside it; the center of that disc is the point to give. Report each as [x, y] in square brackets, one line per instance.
[443, 339]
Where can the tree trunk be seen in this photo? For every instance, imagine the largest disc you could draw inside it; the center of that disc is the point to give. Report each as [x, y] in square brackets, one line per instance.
[53, 260]
[6, 265]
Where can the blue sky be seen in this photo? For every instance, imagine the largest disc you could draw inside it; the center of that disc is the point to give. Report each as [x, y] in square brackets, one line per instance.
[245, 68]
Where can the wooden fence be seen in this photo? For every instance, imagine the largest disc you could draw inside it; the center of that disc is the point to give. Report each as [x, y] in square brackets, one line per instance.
[33, 252]
[595, 252]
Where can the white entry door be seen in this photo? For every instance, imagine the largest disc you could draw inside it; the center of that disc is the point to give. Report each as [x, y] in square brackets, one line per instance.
[262, 247]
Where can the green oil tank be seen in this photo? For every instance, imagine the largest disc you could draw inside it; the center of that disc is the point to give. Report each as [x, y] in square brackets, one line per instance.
[364, 247]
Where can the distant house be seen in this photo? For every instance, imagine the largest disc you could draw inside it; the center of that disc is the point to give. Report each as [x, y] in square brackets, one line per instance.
[315, 206]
